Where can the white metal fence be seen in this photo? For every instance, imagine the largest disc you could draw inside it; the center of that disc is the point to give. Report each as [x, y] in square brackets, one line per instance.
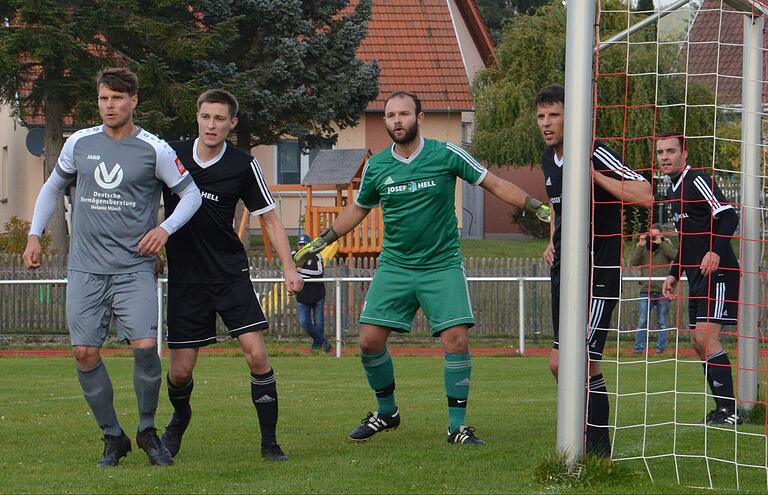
[516, 299]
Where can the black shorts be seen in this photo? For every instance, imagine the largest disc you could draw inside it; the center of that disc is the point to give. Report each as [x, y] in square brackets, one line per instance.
[714, 299]
[192, 312]
[600, 312]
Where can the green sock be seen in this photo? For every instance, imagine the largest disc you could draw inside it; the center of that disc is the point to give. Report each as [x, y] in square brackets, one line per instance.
[458, 368]
[381, 377]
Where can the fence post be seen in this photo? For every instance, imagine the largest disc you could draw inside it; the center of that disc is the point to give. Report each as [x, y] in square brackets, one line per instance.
[521, 304]
[337, 285]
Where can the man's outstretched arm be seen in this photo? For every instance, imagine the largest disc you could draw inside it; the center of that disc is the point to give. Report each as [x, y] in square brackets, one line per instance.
[513, 195]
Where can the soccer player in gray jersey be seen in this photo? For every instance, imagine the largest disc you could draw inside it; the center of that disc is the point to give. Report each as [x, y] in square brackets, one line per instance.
[120, 171]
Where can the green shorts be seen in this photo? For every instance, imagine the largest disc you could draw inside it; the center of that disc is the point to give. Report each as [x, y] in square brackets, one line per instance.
[396, 293]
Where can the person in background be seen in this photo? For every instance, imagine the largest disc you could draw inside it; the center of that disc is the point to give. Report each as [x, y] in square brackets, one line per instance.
[312, 298]
[654, 253]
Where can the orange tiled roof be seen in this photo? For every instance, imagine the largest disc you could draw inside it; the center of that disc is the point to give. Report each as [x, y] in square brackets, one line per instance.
[715, 53]
[415, 44]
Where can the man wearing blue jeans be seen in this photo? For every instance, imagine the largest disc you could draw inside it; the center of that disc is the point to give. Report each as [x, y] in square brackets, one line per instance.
[312, 299]
[653, 254]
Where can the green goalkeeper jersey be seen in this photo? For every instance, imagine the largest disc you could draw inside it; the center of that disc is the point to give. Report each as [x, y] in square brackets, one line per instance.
[417, 202]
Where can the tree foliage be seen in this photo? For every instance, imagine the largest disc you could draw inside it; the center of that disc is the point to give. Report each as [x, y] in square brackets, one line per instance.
[640, 92]
[293, 67]
[497, 12]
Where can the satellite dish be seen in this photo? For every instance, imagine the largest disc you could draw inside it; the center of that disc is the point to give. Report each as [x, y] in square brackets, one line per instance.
[36, 141]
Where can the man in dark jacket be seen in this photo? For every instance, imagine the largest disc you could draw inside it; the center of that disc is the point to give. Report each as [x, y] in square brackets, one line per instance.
[654, 253]
[312, 298]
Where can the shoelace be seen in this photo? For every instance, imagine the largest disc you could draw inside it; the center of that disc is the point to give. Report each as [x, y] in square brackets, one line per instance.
[466, 433]
[373, 419]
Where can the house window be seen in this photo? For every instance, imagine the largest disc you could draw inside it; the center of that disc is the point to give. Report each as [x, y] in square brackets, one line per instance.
[4, 175]
[292, 164]
[288, 162]
[466, 133]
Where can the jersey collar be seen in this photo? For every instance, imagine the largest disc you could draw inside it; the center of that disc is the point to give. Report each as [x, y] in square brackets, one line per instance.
[210, 162]
[413, 155]
[558, 161]
[680, 179]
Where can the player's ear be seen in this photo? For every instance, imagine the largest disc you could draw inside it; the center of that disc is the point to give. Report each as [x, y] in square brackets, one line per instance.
[233, 122]
[420, 118]
[134, 101]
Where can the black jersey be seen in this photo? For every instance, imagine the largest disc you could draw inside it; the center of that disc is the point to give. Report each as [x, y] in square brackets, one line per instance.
[207, 249]
[697, 204]
[606, 217]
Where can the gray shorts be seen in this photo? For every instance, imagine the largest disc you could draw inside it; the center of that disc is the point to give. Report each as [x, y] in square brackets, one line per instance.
[93, 299]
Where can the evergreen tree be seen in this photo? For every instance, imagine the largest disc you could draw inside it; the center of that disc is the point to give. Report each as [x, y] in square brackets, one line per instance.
[293, 66]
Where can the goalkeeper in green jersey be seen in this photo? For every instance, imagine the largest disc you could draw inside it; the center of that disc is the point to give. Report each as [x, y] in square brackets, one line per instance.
[420, 265]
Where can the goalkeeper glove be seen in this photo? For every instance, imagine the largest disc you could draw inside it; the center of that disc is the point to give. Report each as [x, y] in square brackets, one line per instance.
[541, 210]
[314, 247]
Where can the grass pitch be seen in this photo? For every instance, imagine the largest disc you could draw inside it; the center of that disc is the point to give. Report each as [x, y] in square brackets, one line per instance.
[50, 443]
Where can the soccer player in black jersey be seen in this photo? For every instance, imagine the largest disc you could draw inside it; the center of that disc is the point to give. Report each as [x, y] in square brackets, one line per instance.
[705, 223]
[614, 185]
[208, 269]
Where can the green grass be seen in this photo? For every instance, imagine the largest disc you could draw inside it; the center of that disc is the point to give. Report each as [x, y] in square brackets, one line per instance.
[50, 442]
[526, 248]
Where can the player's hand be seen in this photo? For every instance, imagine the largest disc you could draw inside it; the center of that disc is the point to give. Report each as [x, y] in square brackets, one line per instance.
[314, 247]
[293, 281]
[669, 286]
[549, 254]
[153, 241]
[159, 265]
[32, 253]
[318, 244]
[710, 263]
[543, 212]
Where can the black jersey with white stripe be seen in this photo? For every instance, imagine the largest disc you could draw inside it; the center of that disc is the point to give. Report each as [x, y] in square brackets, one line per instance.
[606, 216]
[207, 249]
[697, 204]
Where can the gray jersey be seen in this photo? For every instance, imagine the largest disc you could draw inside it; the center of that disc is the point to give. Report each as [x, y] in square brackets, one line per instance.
[119, 183]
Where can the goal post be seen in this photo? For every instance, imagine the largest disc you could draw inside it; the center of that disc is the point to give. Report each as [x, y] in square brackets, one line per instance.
[575, 275]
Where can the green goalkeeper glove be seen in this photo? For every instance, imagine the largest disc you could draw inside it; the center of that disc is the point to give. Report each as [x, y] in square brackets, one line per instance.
[541, 210]
[318, 244]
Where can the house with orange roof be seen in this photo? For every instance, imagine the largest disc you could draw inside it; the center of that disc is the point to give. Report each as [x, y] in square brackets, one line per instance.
[433, 48]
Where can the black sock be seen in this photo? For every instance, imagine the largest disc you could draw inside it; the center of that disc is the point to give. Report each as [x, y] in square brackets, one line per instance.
[179, 397]
[720, 379]
[598, 437]
[264, 396]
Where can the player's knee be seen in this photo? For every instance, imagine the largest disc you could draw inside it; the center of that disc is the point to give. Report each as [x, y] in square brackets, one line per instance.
[86, 357]
[371, 346]
[594, 368]
[180, 375]
[257, 360]
[553, 368]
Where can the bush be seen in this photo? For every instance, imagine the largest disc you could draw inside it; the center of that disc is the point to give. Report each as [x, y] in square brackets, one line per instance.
[14, 239]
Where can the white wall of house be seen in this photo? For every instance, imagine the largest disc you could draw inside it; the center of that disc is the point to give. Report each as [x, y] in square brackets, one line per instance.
[21, 173]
